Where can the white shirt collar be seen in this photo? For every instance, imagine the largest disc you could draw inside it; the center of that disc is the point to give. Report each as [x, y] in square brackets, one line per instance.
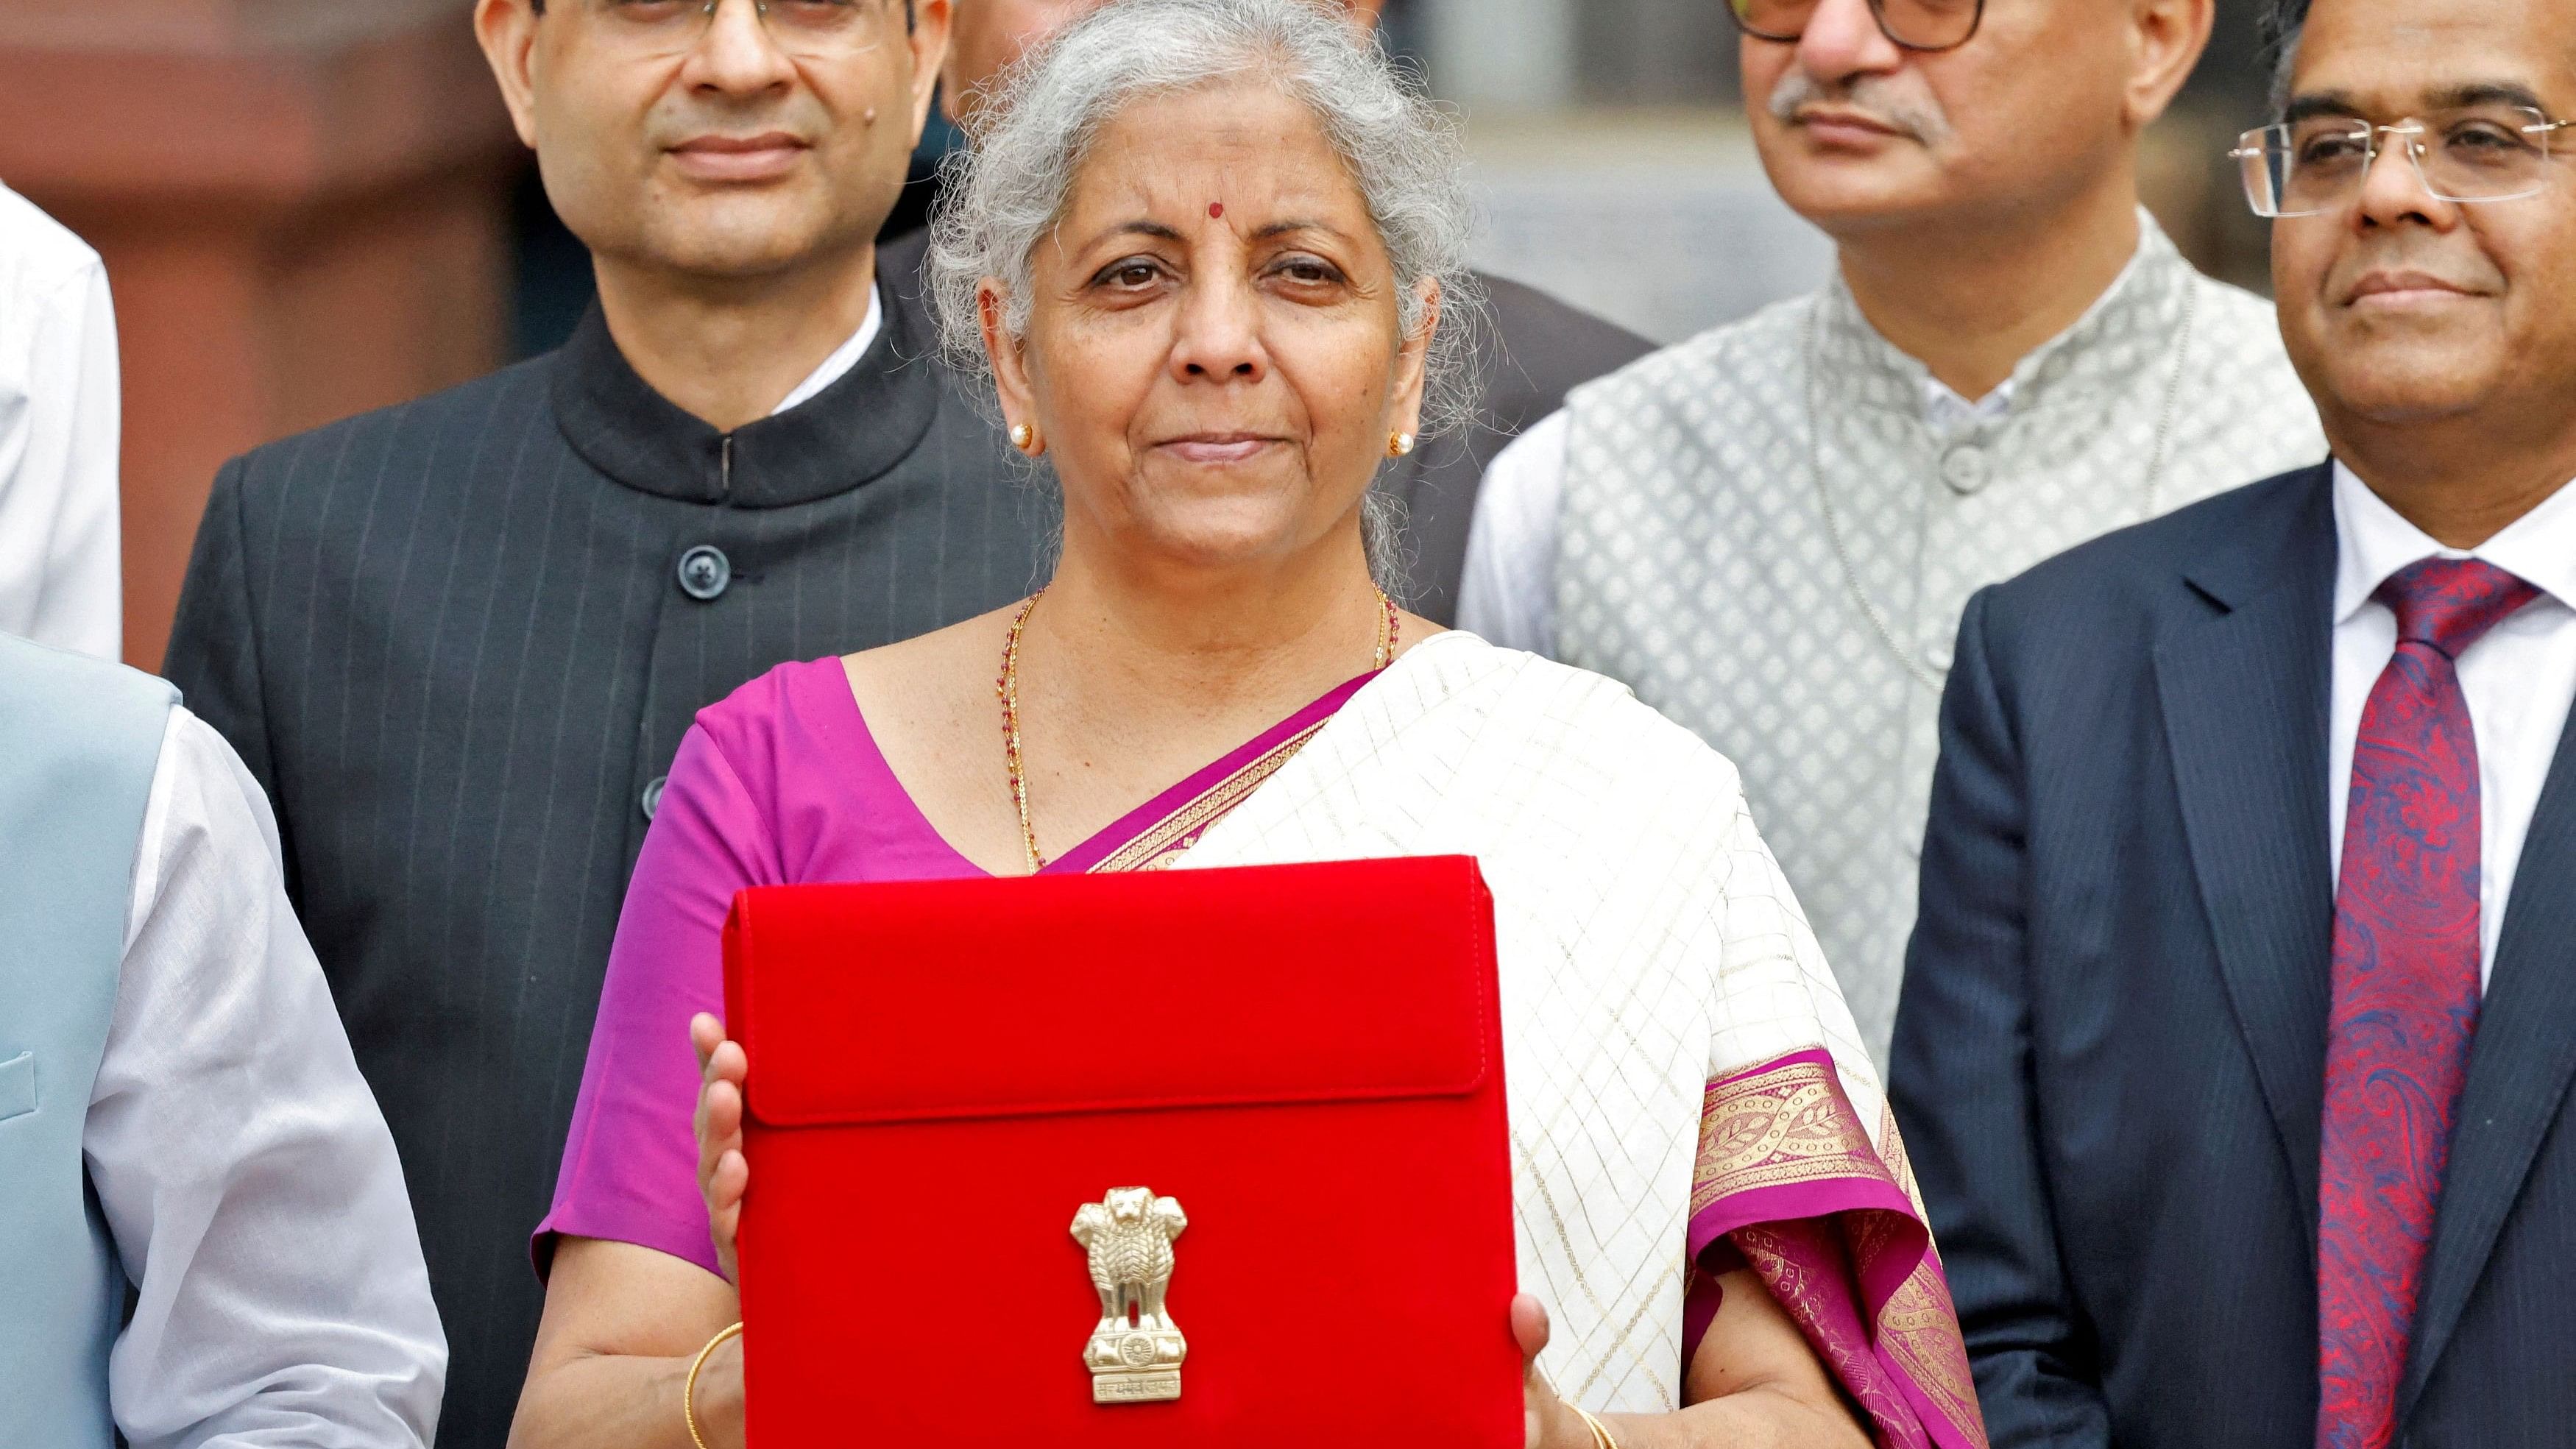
[843, 358]
[1947, 414]
[2373, 541]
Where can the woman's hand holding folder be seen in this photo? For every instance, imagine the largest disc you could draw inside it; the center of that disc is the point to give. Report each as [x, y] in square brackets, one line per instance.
[723, 1172]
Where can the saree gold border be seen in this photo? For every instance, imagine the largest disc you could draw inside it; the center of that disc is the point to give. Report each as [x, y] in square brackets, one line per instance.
[1790, 1125]
[1918, 1315]
[1776, 1128]
[1915, 1330]
[1179, 830]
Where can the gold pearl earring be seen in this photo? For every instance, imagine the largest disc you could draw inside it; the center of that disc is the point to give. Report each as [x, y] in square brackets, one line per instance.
[1398, 444]
[1025, 437]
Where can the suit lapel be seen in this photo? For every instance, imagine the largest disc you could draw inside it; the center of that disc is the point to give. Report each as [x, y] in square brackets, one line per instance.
[2519, 1068]
[2245, 697]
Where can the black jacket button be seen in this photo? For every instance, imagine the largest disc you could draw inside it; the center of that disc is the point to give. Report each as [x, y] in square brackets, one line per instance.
[705, 573]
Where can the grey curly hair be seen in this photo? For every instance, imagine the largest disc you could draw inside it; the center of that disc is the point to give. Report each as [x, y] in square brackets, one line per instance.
[1037, 124]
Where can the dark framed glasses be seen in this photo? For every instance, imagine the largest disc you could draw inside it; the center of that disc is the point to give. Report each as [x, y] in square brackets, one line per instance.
[1925, 25]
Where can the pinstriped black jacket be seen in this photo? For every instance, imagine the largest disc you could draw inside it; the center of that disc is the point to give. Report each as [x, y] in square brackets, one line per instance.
[459, 640]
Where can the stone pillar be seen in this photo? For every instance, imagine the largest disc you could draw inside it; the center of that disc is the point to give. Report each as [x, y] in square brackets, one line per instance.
[302, 208]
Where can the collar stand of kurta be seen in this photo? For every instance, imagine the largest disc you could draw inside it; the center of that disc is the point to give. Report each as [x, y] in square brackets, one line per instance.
[2129, 333]
[851, 433]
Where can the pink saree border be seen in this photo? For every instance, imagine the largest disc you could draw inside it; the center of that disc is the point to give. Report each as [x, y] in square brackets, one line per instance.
[1787, 1177]
[1150, 836]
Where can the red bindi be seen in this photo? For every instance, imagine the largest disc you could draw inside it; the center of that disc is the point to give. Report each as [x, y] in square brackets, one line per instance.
[1216, 208]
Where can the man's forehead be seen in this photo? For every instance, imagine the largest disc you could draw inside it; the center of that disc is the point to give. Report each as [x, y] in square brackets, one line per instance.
[2369, 55]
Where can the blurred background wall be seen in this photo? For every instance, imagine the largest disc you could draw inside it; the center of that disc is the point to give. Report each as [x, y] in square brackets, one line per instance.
[314, 207]
[303, 206]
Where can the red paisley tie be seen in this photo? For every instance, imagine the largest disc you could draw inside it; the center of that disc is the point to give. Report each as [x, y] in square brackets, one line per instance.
[2406, 990]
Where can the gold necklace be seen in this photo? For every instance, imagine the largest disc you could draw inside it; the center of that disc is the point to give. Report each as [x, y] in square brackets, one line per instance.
[1007, 688]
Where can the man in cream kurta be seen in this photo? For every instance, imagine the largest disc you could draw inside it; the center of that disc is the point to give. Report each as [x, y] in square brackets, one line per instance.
[1769, 531]
[1671, 529]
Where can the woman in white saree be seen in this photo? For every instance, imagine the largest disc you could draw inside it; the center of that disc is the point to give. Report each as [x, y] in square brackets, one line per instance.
[1677, 1049]
[1207, 247]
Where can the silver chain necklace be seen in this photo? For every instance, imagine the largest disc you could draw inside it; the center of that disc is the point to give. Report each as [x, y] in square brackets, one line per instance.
[1925, 674]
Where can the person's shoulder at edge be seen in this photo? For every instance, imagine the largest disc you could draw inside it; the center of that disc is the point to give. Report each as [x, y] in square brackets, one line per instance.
[775, 713]
[41, 252]
[807, 710]
[744, 773]
[85, 679]
[2119, 585]
[351, 450]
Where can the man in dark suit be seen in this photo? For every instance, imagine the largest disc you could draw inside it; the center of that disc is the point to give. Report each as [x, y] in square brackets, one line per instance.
[459, 640]
[1536, 348]
[2238, 1027]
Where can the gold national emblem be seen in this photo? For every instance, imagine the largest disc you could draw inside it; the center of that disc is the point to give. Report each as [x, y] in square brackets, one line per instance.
[1135, 1354]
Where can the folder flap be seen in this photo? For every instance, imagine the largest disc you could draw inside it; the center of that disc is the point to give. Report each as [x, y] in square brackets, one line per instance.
[962, 999]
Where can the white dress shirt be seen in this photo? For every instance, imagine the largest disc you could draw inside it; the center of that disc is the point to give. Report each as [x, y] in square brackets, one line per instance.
[240, 1161]
[843, 358]
[60, 579]
[1508, 593]
[2518, 679]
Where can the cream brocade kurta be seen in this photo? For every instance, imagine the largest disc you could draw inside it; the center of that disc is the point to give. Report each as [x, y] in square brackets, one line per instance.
[1696, 562]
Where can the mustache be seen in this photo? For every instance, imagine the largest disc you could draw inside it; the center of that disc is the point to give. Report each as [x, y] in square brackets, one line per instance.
[1902, 105]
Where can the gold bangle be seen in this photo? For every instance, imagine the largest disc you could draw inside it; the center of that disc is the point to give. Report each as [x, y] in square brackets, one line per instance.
[1600, 1432]
[689, 1390]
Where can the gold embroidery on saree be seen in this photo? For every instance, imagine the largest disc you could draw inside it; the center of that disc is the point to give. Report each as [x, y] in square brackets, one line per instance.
[1917, 1328]
[1775, 1128]
[1791, 1124]
[1168, 837]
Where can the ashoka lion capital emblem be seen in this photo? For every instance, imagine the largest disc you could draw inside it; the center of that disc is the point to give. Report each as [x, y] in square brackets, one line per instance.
[1135, 1354]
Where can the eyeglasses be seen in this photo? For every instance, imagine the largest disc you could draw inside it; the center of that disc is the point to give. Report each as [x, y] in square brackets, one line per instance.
[2473, 154]
[1912, 24]
[809, 29]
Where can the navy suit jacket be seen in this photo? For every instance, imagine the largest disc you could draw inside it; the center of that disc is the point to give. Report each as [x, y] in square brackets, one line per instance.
[2110, 1052]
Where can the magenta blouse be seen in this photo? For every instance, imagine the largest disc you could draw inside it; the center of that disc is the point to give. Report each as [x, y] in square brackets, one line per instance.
[777, 784]
[780, 784]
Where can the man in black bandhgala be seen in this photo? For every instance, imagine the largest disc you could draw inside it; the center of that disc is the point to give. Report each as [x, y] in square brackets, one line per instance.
[459, 640]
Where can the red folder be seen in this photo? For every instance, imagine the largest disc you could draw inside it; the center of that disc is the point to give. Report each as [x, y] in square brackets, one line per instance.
[1302, 1065]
